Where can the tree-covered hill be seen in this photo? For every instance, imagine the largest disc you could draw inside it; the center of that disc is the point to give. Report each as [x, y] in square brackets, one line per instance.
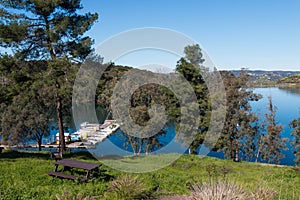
[295, 79]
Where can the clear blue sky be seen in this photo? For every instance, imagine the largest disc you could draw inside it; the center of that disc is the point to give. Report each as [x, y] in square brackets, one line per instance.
[258, 34]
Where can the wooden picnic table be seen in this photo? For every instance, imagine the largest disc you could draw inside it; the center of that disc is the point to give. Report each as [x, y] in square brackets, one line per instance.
[70, 164]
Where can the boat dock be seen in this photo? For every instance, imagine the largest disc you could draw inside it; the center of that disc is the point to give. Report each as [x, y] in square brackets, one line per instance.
[86, 137]
[91, 134]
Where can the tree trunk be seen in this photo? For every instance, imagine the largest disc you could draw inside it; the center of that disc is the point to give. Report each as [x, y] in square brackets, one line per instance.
[236, 155]
[236, 158]
[40, 145]
[257, 156]
[258, 150]
[62, 143]
[140, 149]
[38, 137]
[48, 39]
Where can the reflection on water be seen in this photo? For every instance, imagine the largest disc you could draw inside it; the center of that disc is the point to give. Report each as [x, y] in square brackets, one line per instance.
[118, 144]
[287, 100]
[293, 90]
[288, 104]
[288, 109]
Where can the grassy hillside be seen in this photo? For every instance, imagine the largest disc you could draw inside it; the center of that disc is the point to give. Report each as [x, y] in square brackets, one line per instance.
[23, 176]
[291, 79]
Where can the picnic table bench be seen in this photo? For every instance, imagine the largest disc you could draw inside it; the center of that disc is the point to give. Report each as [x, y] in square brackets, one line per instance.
[70, 164]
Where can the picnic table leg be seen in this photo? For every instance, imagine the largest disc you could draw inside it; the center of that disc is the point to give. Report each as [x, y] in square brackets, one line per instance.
[96, 171]
[56, 167]
[91, 172]
[88, 174]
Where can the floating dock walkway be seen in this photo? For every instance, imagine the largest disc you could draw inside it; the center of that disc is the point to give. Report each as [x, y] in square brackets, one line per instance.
[91, 134]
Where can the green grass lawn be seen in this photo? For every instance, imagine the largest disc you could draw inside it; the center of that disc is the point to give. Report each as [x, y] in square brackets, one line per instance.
[24, 176]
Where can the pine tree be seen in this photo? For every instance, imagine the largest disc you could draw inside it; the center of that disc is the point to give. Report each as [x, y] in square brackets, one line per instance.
[47, 30]
[192, 68]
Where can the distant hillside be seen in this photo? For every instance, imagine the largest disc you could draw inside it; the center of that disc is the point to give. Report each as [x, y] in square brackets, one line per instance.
[268, 75]
[295, 79]
[261, 78]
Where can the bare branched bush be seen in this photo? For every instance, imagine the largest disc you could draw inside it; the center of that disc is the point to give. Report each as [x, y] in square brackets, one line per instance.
[229, 191]
[127, 187]
[264, 194]
[219, 191]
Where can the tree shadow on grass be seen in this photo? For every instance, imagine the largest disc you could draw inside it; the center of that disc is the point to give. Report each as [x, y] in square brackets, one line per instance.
[9, 154]
[12, 154]
[79, 155]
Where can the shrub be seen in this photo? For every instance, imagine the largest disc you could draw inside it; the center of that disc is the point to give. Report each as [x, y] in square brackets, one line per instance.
[219, 191]
[126, 187]
[264, 194]
[229, 191]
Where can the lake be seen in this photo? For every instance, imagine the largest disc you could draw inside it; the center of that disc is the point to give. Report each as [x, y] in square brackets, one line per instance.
[286, 101]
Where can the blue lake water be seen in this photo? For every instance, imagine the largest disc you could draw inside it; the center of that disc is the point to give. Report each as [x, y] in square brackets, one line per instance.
[288, 105]
[287, 102]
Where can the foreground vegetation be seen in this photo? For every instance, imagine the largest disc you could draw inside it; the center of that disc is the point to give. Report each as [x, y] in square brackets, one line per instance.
[23, 176]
